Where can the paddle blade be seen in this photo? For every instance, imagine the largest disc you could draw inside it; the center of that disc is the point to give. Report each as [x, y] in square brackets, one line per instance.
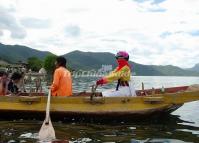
[47, 132]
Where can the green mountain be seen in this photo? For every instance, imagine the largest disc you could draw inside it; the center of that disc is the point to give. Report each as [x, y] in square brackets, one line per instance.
[2, 62]
[15, 53]
[170, 70]
[91, 60]
[95, 60]
[195, 68]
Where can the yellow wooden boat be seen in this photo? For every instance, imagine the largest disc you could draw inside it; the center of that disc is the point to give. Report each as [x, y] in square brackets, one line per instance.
[85, 104]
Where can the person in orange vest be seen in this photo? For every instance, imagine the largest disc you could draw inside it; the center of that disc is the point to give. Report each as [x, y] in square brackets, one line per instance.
[62, 81]
[122, 74]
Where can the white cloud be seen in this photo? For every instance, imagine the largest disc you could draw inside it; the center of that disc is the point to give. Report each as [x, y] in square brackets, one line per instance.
[8, 22]
[35, 23]
[153, 31]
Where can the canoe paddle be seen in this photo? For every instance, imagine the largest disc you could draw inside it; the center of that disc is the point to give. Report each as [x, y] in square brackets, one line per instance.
[47, 131]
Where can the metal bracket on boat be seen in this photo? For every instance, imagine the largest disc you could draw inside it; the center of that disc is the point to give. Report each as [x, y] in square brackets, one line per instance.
[93, 91]
[125, 100]
[29, 99]
[95, 100]
[143, 92]
[153, 100]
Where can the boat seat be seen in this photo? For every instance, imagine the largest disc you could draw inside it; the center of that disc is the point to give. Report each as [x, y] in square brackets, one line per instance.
[29, 99]
[153, 100]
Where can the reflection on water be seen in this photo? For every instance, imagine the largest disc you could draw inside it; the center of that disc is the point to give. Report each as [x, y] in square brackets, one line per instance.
[182, 126]
[167, 129]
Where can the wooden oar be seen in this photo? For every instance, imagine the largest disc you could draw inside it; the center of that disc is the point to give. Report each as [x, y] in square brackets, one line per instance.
[47, 131]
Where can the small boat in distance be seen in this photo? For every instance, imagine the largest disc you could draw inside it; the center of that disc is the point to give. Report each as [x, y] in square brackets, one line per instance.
[89, 105]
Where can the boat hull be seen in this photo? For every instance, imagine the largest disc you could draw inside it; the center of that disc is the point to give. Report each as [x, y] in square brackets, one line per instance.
[91, 107]
[86, 116]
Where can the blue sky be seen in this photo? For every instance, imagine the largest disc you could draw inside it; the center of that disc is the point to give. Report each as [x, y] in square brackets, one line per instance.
[160, 32]
[152, 1]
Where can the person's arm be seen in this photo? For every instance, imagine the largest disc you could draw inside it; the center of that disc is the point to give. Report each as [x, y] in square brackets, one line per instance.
[56, 79]
[123, 73]
[113, 76]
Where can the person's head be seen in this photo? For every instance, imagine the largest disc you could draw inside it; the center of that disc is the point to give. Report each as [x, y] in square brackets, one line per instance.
[16, 77]
[60, 62]
[3, 74]
[122, 55]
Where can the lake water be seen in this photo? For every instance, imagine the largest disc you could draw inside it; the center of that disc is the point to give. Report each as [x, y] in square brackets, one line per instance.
[180, 127]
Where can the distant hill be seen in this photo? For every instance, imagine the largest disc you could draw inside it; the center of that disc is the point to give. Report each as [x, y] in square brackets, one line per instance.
[2, 62]
[195, 68]
[15, 53]
[91, 60]
[94, 60]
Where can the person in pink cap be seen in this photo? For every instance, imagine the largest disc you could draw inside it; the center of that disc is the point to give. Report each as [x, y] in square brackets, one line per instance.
[122, 74]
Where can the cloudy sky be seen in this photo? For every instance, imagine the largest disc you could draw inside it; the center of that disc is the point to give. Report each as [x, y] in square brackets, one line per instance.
[160, 32]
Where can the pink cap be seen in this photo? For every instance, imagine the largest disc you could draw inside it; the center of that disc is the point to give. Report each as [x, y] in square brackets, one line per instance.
[122, 54]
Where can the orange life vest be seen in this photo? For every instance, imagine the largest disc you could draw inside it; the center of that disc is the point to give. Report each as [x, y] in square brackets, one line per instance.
[62, 82]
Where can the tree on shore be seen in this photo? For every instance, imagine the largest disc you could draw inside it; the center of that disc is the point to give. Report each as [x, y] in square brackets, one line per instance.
[49, 63]
[35, 64]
